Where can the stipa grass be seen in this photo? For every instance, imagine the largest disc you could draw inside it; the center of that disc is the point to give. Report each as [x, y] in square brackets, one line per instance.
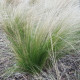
[39, 30]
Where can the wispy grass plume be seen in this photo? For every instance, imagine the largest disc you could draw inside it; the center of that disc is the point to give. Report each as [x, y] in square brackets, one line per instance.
[35, 31]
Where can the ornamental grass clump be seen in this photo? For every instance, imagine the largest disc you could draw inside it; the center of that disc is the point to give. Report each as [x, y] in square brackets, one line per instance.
[40, 30]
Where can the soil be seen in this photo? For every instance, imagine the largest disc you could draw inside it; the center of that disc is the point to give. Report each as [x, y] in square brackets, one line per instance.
[69, 66]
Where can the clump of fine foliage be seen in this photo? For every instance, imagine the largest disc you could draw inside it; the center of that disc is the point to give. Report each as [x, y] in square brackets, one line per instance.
[37, 31]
